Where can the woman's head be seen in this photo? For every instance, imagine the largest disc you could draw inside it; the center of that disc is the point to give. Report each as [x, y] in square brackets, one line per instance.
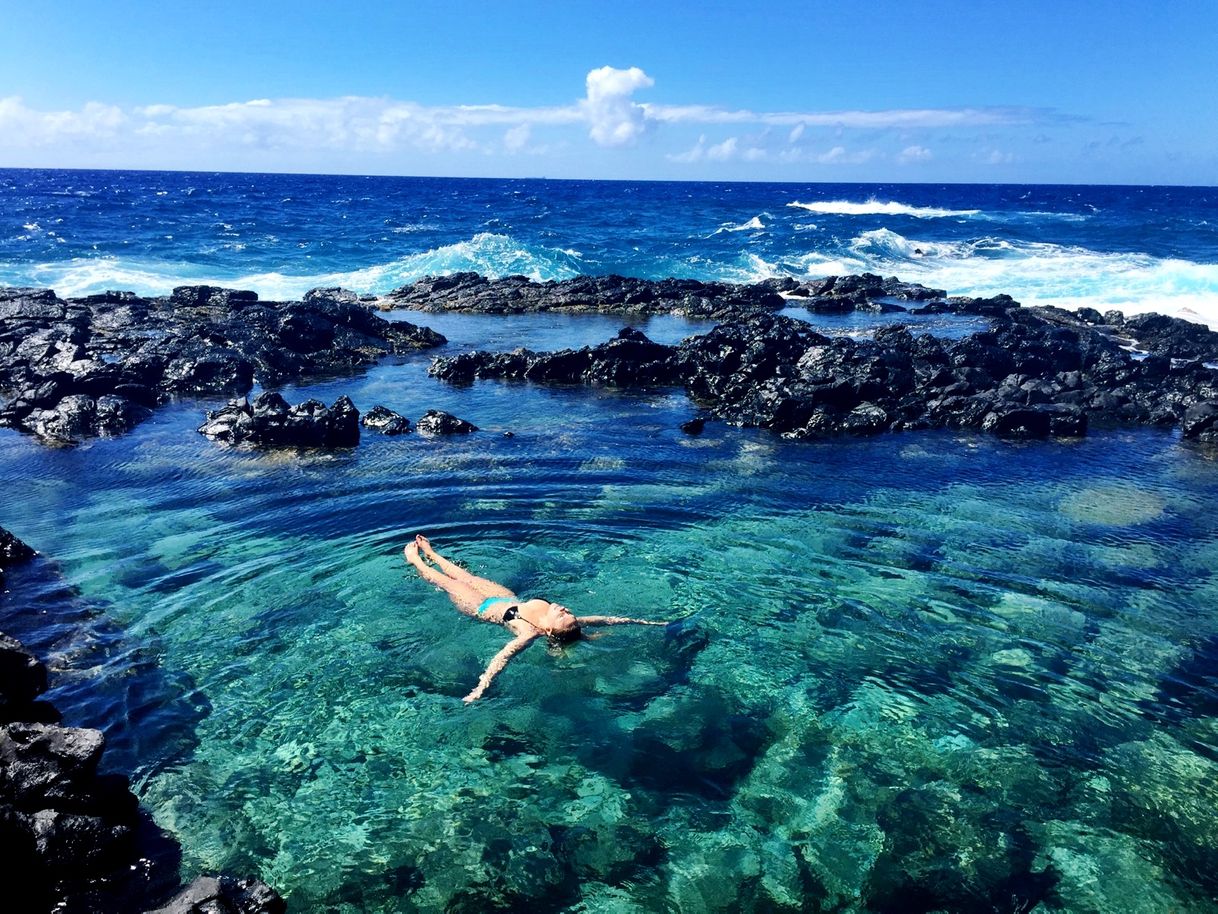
[553, 620]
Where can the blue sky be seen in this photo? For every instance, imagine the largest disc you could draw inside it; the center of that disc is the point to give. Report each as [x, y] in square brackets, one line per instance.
[1030, 91]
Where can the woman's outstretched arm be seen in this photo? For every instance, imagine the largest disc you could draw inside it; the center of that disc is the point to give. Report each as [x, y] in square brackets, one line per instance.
[614, 620]
[500, 660]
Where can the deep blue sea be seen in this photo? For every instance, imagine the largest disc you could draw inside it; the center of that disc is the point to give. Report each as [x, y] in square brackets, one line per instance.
[920, 672]
[1130, 248]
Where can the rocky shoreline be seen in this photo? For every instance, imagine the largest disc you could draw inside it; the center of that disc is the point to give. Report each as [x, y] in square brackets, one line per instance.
[1036, 372]
[85, 367]
[75, 840]
[77, 368]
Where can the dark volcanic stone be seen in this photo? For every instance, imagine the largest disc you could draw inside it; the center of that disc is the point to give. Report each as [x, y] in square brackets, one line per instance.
[865, 292]
[694, 426]
[1036, 422]
[22, 677]
[45, 765]
[225, 895]
[94, 366]
[12, 550]
[1034, 373]
[334, 294]
[471, 292]
[1201, 422]
[997, 306]
[271, 422]
[1172, 337]
[78, 416]
[74, 841]
[438, 422]
[385, 421]
[209, 296]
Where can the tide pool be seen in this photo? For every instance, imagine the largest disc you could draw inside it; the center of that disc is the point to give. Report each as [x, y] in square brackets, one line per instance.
[915, 672]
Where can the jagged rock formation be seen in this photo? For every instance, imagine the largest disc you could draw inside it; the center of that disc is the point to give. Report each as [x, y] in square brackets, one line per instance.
[71, 838]
[1036, 372]
[474, 293]
[78, 368]
[271, 422]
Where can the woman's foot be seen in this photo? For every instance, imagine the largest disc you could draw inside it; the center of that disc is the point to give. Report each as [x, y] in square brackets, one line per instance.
[411, 552]
[424, 546]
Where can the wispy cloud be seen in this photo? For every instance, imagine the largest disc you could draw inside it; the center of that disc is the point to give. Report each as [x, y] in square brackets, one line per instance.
[914, 154]
[870, 120]
[608, 114]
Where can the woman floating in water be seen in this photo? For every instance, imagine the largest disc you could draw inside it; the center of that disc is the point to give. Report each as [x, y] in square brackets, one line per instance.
[527, 620]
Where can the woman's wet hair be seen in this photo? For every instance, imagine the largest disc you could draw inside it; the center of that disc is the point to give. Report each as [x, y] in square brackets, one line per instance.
[567, 636]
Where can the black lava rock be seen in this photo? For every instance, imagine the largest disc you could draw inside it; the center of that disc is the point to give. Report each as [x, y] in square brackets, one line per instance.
[225, 895]
[1034, 373]
[438, 422]
[94, 366]
[271, 422]
[385, 421]
[22, 679]
[1201, 422]
[473, 293]
[12, 550]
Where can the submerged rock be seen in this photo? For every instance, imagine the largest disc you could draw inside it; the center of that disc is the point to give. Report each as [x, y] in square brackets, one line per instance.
[225, 895]
[271, 422]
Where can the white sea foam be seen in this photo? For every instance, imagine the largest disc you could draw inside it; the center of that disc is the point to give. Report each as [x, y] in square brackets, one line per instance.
[1033, 273]
[753, 225]
[878, 208]
[490, 254]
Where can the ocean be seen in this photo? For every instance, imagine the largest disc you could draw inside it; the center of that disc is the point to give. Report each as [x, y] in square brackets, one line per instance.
[929, 671]
[1129, 248]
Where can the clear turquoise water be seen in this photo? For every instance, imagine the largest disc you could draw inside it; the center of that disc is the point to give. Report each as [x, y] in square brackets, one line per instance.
[916, 672]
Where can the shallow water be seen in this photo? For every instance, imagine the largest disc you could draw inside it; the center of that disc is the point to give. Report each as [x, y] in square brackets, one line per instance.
[915, 672]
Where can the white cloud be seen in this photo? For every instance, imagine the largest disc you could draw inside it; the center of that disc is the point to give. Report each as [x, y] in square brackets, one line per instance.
[694, 154]
[914, 154]
[517, 137]
[614, 118]
[288, 131]
[721, 152]
[874, 120]
[41, 128]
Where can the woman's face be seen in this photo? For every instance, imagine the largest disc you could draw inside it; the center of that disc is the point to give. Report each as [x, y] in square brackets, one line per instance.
[551, 618]
[558, 619]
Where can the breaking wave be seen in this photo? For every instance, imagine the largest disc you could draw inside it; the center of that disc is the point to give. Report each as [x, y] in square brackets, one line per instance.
[490, 254]
[753, 225]
[877, 208]
[1034, 273]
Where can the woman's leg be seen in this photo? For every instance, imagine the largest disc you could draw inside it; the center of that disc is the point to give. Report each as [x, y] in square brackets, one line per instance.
[464, 597]
[457, 573]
